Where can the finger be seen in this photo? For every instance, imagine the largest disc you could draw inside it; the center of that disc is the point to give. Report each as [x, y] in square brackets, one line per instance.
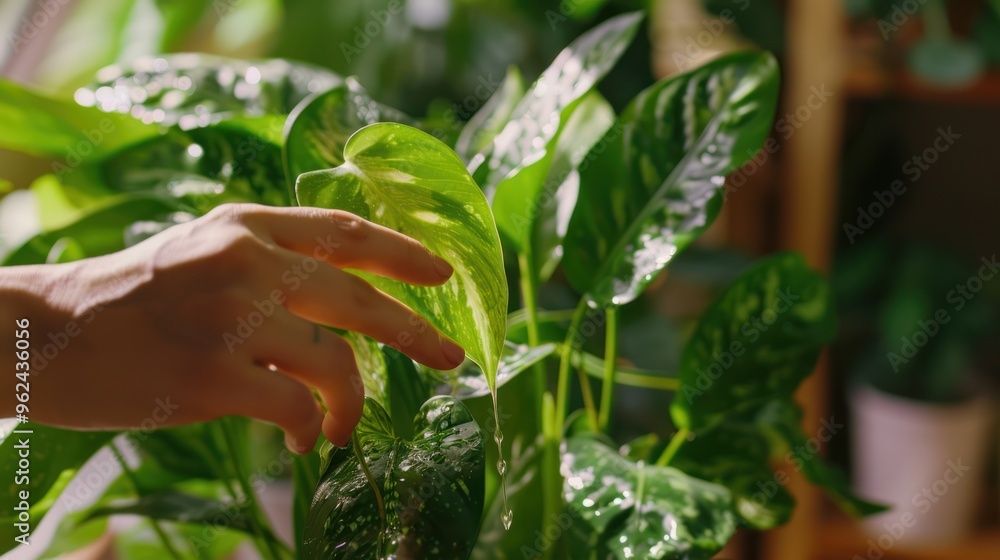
[272, 397]
[320, 359]
[347, 241]
[333, 297]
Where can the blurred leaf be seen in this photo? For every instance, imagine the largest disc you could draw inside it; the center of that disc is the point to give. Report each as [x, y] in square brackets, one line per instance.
[653, 186]
[737, 456]
[56, 456]
[408, 390]
[471, 383]
[755, 343]
[195, 90]
[99, 231]
[34, 124]
[430, 489]
[494, 115]
[784, 419]
[946, 62]
[404, 179]
[172, 505]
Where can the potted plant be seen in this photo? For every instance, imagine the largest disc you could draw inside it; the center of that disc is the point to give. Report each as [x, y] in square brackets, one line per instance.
[920, 418]
[490, 460]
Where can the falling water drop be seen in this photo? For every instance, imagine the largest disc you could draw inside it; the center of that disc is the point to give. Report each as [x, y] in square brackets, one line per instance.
[507, 516]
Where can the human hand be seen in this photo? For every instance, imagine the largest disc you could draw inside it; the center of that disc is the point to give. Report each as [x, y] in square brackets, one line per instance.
[218, 316]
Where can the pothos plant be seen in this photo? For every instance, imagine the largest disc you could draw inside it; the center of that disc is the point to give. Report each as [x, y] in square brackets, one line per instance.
[547, 177]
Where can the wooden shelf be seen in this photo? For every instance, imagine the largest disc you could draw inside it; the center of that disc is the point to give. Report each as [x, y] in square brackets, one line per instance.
[843, 538]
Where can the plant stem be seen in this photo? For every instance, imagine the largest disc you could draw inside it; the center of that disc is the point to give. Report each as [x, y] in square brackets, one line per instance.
[256, 515]
[565, 361]
[588, 400]
[529, 292]
[160, 533]
[610, 356]
[675, 444]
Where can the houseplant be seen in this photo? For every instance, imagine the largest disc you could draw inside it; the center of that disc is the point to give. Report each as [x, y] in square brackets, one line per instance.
[546, 173]
[919, 312]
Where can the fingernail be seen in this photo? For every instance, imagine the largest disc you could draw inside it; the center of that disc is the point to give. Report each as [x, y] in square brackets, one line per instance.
[442, 267]
[453, 353]
[343, 443]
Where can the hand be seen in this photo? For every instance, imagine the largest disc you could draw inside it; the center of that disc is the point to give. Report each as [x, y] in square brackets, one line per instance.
[218, 316]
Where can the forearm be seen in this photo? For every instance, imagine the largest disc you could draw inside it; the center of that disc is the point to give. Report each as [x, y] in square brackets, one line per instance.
[24, 309]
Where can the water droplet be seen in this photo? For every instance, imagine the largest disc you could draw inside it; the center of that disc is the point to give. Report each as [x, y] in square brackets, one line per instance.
[507, 514]
[507, 518]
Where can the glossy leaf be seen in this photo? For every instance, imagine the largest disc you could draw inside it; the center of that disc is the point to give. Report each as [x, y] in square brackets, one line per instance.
[738, 456]
[38, 125]
[492, 117]
[195, 90]
[783, 419]
[536, 120]
[755, 343]
[406, 180]
[371, 365]
[516, 358]
[55, 454]
[533, 207]
[639, 510]
[654, 183]
[431, 489]
[320, 126]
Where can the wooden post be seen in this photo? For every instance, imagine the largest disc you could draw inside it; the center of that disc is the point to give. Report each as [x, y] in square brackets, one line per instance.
[815, 64]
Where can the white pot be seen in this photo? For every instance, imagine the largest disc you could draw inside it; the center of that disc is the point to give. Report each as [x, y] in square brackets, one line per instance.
[926, 461]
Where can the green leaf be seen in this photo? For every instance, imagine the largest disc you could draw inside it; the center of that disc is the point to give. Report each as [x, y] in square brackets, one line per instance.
[55, 457]
[371, 365]
[98, 231]
[180, 507]
[471, 383]
[533, 207]
[431, 489]
[202, 168]
[654, 183]
[408, 181]
[755, 343]
[783, 419]
[644, 511]
[43, 126]
[479, 132]
[321, 125]
[408, 390]
[195, 90]
[536, 120]
[738, 456]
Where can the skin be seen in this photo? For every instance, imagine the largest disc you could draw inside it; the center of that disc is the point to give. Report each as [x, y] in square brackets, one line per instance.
[154, 331]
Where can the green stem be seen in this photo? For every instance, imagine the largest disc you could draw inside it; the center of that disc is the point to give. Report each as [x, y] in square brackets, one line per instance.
[529, 291]
[675, 444]
[256, 515]
[610, 371]
[160, 533]
[588, 400]
[565, 361]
